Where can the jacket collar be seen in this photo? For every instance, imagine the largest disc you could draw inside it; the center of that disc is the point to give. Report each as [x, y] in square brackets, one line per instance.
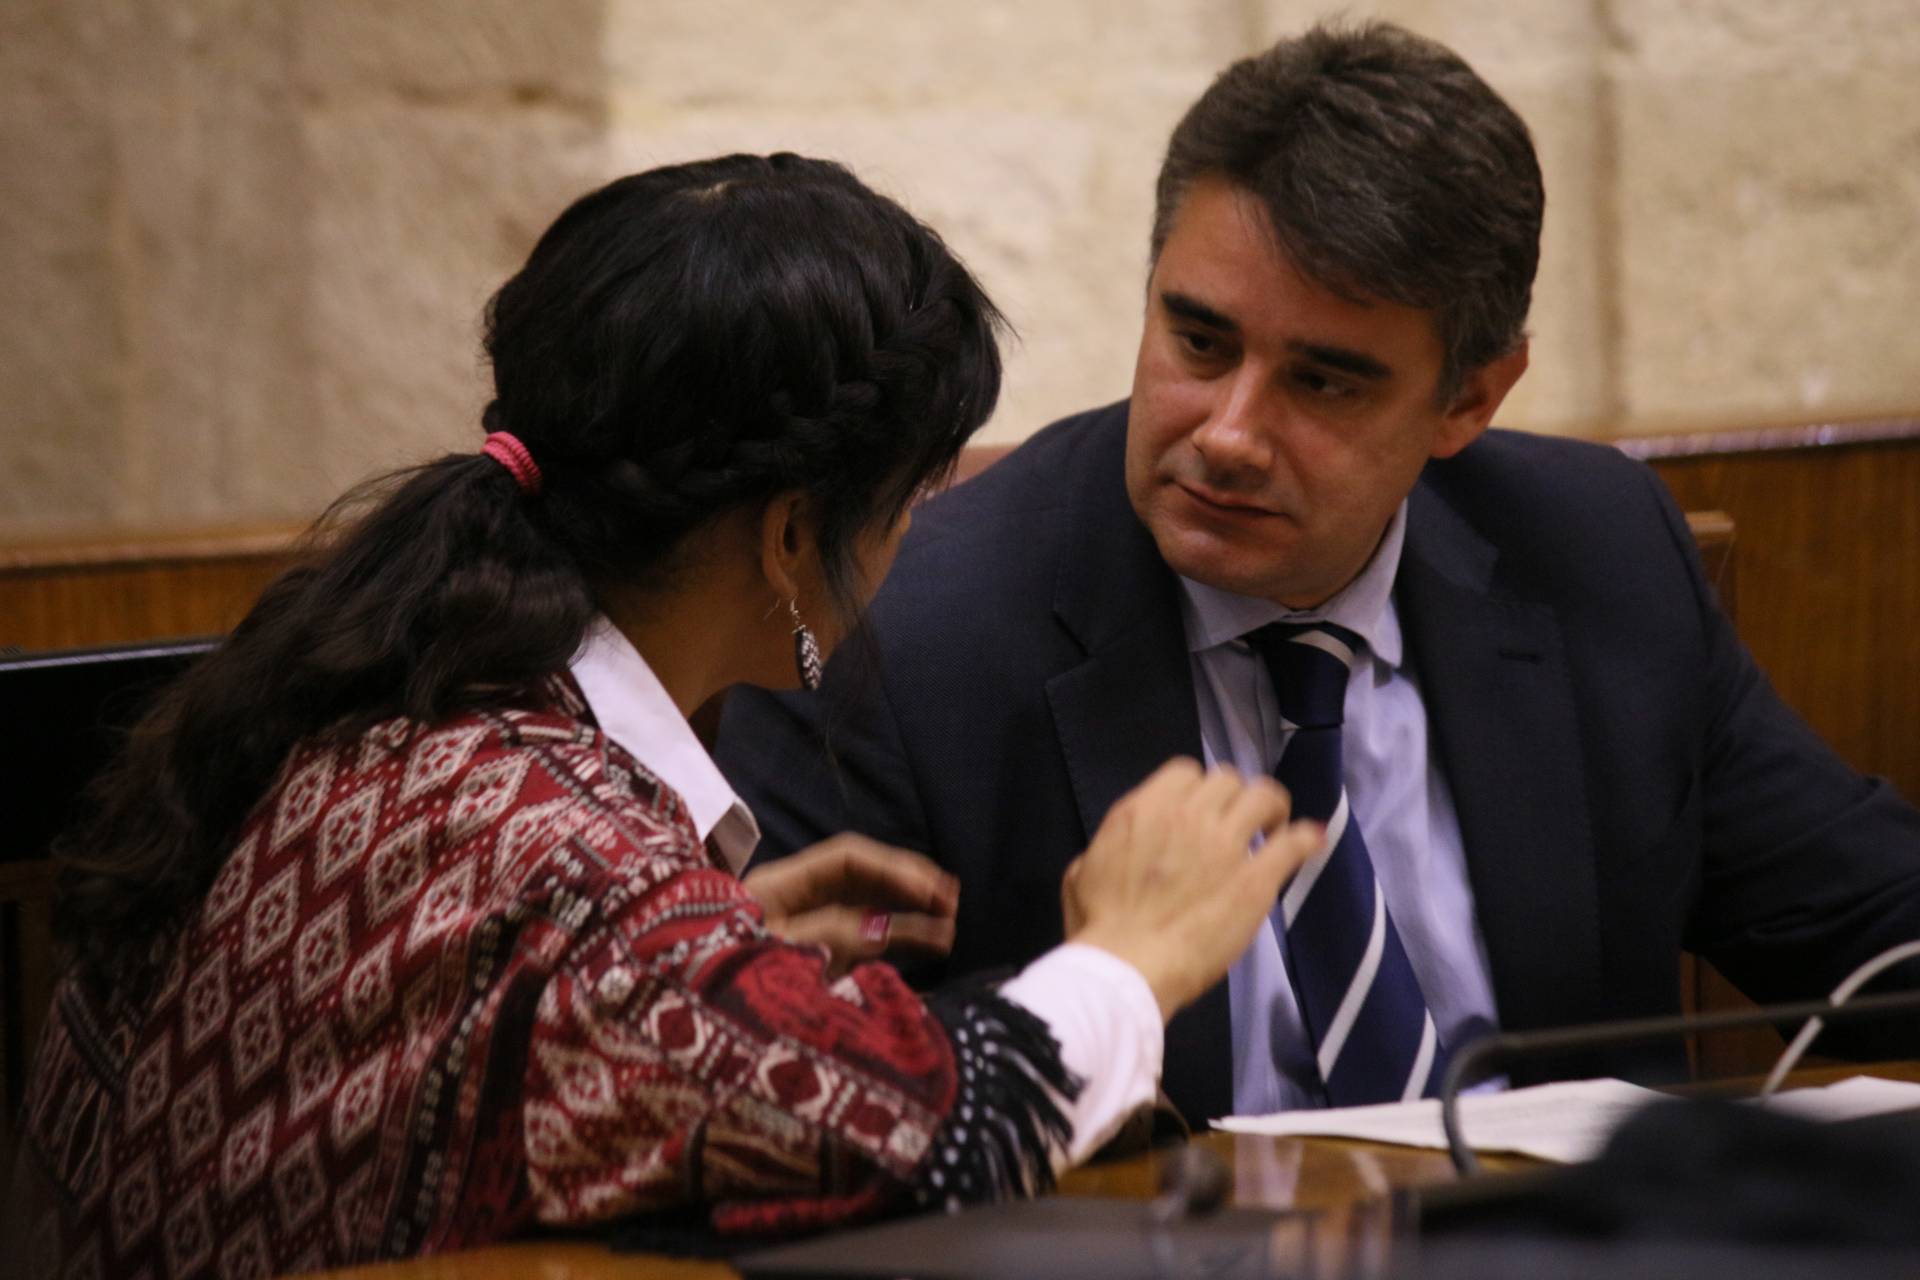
[1128, 705]
[634, 709]
[1111, 580]
[1494, 675]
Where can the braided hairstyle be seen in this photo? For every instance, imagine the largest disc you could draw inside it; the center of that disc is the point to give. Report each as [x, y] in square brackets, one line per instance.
[681, 343]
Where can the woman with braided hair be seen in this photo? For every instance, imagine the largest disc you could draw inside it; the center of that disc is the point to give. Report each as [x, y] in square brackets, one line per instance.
[411, 917]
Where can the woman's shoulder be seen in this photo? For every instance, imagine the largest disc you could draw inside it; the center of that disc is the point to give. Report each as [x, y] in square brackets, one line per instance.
[526, 785]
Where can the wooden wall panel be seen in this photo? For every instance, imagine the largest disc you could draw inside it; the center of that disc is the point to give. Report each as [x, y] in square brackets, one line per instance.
[1827, 539]
[1826, 550]
[111, 591]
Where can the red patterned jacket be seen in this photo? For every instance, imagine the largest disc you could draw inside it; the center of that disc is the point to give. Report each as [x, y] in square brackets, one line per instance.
[456, 981]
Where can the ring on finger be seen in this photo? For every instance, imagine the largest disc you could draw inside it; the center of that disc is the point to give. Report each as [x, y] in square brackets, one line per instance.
[876, 926]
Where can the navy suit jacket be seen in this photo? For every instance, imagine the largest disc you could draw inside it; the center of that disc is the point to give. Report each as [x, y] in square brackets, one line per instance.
[1626, 781]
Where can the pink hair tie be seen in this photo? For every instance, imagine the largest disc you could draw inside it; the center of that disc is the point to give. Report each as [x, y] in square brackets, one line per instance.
[505, 448]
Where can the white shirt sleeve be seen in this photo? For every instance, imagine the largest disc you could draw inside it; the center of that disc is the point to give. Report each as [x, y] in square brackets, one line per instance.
[1108, 1025]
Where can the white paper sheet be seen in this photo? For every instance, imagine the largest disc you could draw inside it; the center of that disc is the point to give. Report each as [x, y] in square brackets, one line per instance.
[1848, 1100]
[1564, 1122]
[1561, 1122]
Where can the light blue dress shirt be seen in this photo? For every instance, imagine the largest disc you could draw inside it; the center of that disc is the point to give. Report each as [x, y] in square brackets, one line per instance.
[1398, 796]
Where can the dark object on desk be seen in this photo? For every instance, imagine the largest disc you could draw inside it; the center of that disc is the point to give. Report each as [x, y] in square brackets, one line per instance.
[1183, 1231]
[1481, 1058]
[1530, 1259]
[1708, 1172]
[1057, 1238]
[1194, 1183]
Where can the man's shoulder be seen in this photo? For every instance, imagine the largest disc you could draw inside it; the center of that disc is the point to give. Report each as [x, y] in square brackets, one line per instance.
[1515, 479]
[1011, 513]
[1527, 460]
[1046, 471]
[991, 550]
[1568, 516]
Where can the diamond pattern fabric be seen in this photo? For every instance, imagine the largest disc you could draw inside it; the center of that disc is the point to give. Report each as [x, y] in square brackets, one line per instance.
[452, 983]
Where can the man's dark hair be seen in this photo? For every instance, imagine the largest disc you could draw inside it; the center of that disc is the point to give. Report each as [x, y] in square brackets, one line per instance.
[680, 344]
[1387, 168]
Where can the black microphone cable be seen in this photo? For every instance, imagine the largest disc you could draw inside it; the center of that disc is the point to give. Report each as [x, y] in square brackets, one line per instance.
[1480, 1057]
[1841, 995]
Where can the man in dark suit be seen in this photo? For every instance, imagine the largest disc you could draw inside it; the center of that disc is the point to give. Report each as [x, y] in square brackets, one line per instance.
[1546, 762]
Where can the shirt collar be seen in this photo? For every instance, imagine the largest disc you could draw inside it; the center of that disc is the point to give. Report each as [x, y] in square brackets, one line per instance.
[634, 709]
[1364, 606]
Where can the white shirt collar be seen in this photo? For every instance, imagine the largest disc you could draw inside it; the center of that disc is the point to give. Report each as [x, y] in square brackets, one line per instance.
[634, 709]
[1214, 617]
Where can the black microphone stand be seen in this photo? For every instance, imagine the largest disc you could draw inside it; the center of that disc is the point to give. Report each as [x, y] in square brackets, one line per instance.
[1477, 1058]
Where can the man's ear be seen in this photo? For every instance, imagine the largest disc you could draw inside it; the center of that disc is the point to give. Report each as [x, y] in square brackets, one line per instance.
[786, 541]
[1478, 399]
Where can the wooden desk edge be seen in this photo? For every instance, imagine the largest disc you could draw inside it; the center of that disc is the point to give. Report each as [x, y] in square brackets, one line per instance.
[1315, 1162]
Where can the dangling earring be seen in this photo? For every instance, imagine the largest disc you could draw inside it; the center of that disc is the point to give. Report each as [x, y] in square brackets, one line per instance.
[806, 649]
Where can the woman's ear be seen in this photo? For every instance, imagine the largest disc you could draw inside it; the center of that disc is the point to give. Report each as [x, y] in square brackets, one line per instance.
[786, 543]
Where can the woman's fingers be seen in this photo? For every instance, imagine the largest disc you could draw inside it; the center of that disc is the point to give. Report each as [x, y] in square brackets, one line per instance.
[1169, 883]
[916, 933]
[1261, 807]
[852, 934]
[1275, 861]
[879, 875]
[1073, 915]
[853, 870]
[1218, 791]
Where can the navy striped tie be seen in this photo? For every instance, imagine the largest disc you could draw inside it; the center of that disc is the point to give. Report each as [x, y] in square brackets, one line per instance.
[1373, 1036]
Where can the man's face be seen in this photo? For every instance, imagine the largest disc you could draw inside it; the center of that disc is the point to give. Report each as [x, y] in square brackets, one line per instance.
[1275, 426]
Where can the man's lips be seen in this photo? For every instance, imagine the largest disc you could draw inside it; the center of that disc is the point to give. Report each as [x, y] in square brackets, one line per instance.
[1220, 501]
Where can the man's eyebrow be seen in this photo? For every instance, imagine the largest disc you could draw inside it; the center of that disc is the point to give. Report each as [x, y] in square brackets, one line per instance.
[1357, 363]
[1196, 311]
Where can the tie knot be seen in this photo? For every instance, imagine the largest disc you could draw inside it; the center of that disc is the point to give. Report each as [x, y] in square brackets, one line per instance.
[1309, 664]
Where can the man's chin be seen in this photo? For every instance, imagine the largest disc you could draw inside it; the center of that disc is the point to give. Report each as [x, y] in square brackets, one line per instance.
[1211, 561]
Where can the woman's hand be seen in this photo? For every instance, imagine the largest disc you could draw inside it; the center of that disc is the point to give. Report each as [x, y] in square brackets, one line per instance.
[860, 898]
[1168, 884]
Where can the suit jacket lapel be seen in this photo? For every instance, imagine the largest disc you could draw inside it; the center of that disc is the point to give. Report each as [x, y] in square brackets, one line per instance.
[1494, 676]
[1128, 707]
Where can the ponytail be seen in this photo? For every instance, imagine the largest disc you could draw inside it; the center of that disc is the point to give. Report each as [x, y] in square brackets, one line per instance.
[447, 594]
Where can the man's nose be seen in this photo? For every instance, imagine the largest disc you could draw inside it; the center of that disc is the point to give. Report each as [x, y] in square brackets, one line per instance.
[1235, 440]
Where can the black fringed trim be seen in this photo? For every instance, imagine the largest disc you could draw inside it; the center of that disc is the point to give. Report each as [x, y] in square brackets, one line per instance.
[1006, 1119]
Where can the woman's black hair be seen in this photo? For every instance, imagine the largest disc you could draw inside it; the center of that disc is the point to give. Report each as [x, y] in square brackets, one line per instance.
[681, 343]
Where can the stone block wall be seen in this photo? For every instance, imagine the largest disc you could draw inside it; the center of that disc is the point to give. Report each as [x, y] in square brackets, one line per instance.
[1768, 207]
[246, 241]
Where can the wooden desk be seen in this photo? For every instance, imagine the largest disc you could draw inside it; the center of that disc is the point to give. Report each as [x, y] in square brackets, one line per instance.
[1275, 1173]
[1307, 1173]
